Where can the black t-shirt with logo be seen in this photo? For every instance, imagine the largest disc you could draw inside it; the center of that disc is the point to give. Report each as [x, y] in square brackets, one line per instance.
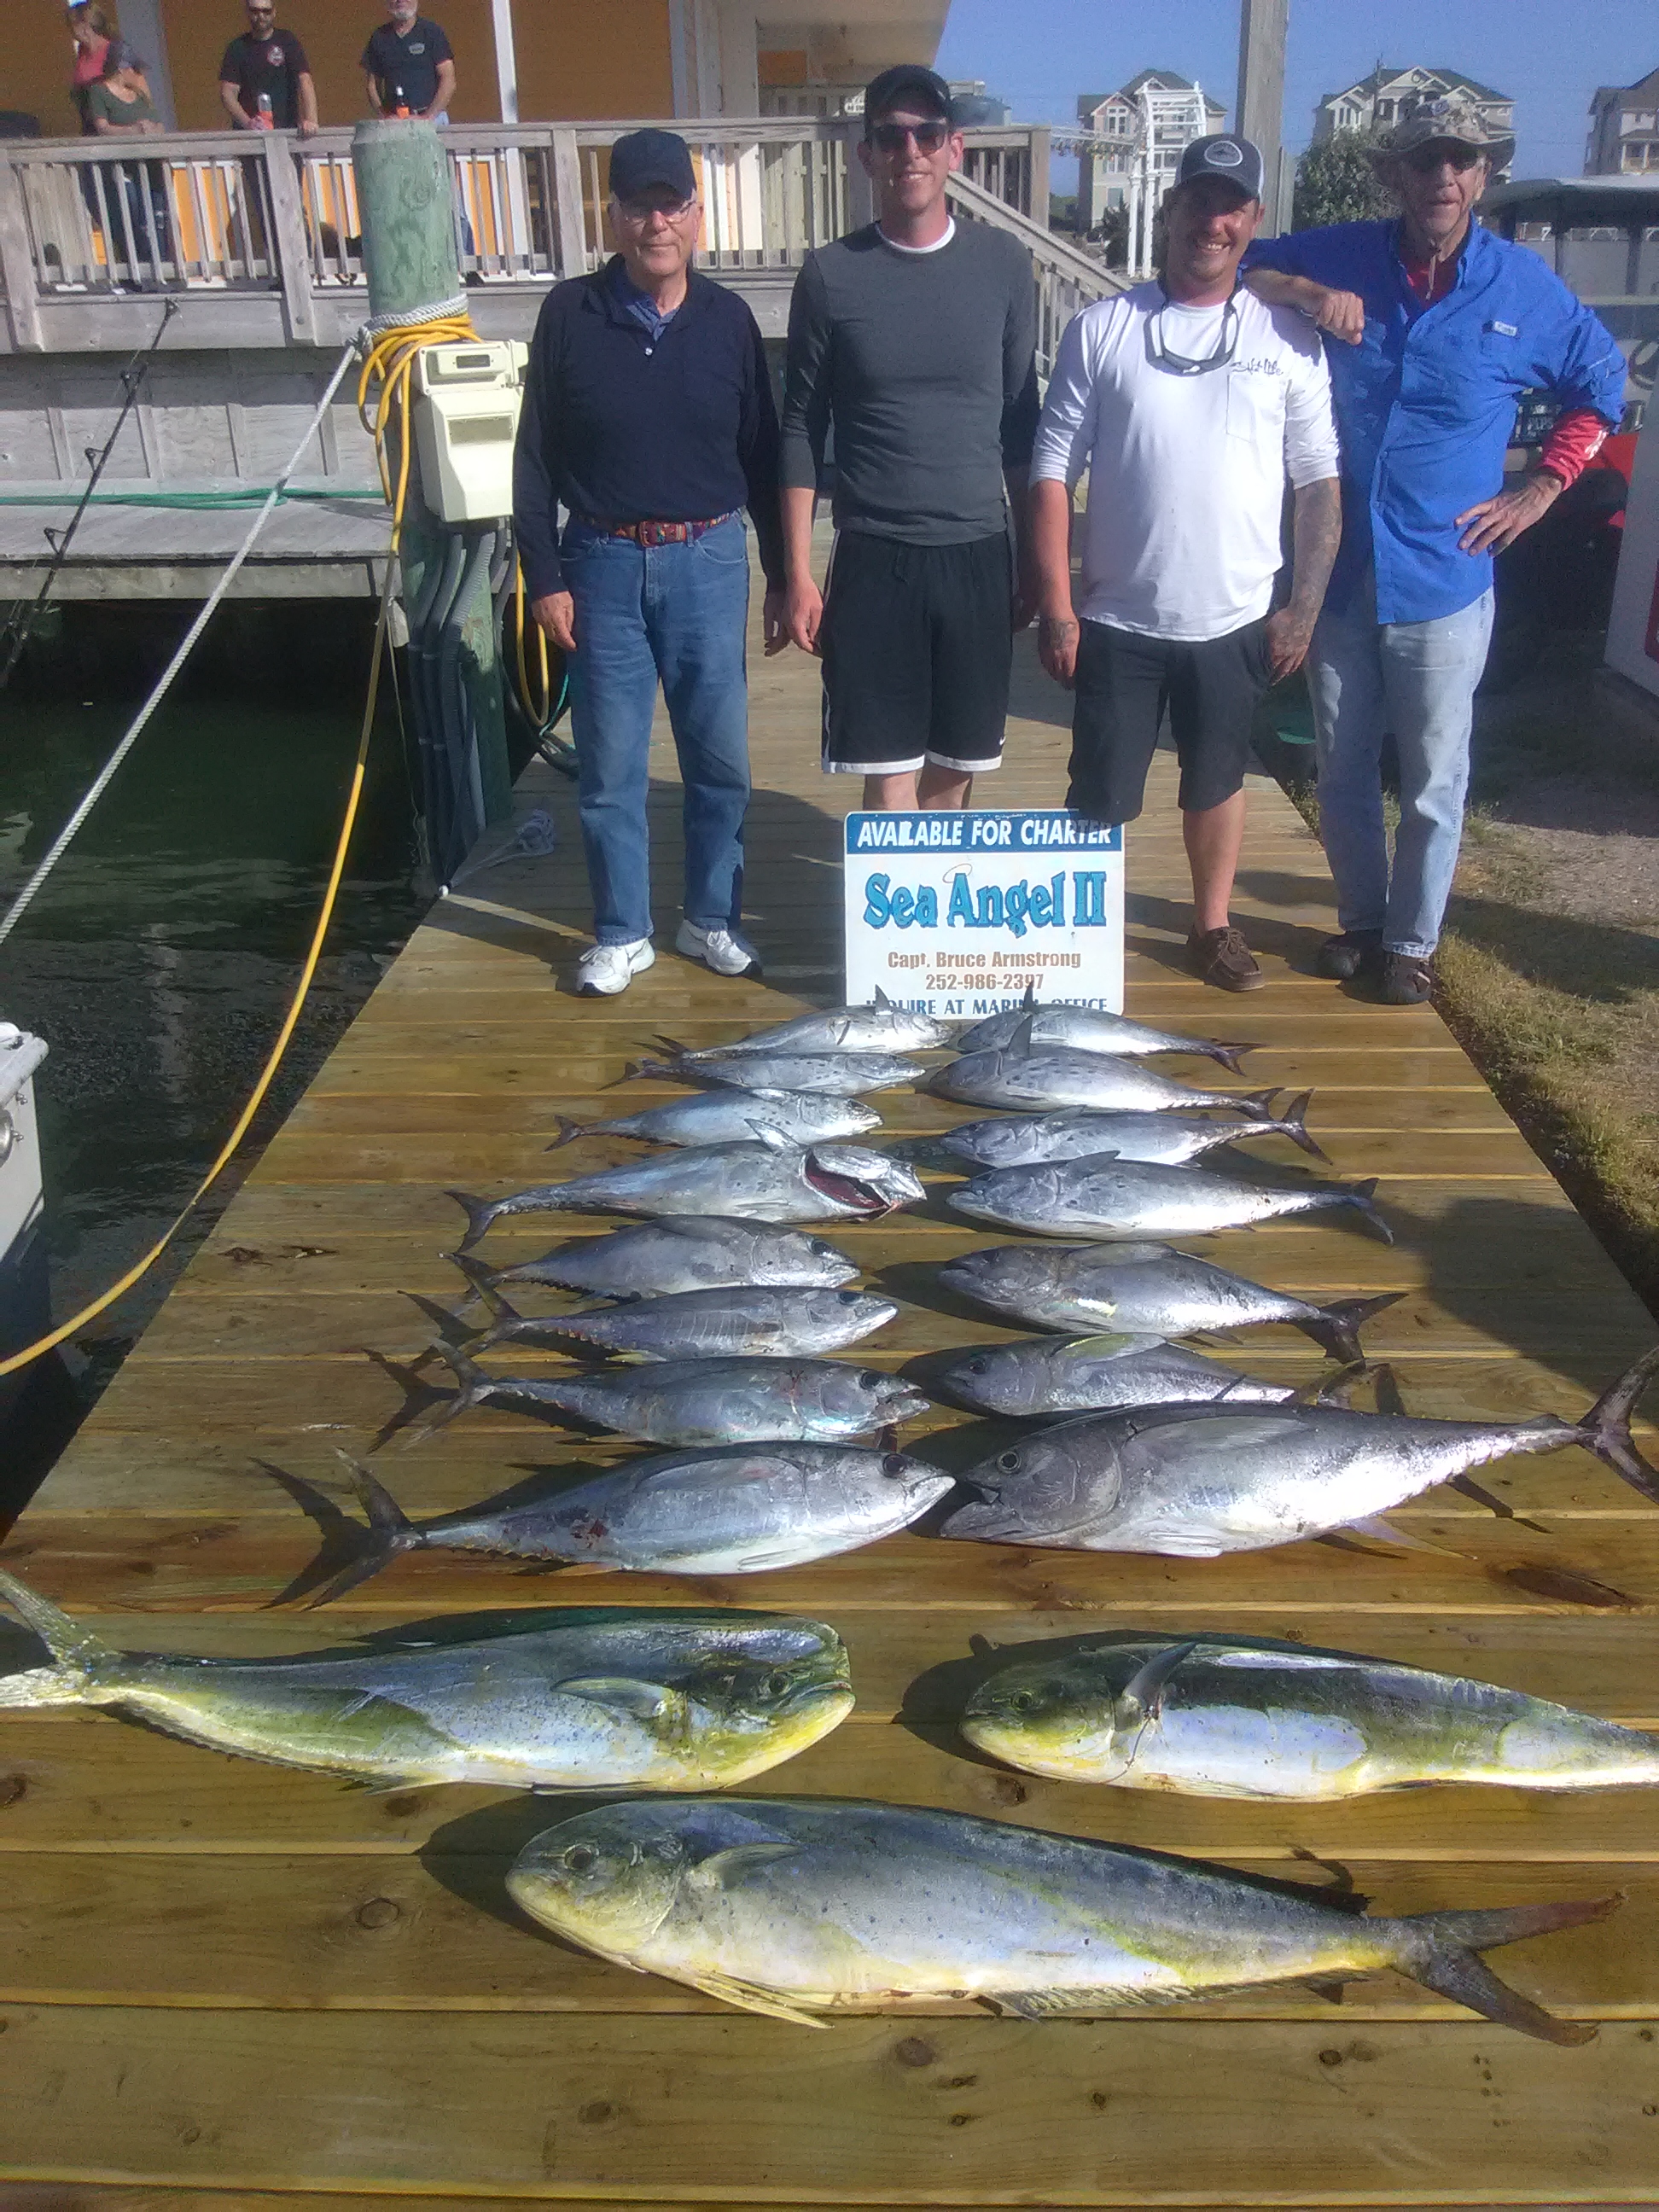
[407, 64]
[275, 65]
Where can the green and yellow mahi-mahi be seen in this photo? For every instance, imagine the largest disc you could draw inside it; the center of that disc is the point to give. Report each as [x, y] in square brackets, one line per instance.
[1225, 1716]
[612, 1700]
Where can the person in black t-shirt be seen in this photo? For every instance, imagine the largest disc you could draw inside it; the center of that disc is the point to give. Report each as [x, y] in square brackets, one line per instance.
[265, 60]
[410, 57]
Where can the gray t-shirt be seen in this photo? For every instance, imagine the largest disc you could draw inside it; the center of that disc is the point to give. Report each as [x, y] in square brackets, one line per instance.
[923, 365]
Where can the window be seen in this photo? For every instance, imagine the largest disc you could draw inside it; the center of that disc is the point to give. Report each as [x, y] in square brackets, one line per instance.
[1385, 111]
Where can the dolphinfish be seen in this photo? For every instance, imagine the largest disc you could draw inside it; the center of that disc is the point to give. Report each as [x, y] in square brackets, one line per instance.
[1194, 1481]
[1145, 1290]
[770, 1180]
[1015, 1140]
[725, 1510]
[702, 1402]
[591, 1700]
[1231, 1717]
[682, 1252]
[1105, 1196]
[798, 1905]
[1049, 1375]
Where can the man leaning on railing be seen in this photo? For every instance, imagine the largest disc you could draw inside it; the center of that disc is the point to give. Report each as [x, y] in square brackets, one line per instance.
[264, 79]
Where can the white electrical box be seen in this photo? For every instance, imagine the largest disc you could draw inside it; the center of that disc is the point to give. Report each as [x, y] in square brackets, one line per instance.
[466, 416]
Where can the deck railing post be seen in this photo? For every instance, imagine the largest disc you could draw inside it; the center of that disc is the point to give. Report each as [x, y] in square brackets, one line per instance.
[861, 193]
[17, 274]
[1038, 209]
[289, 248]
[570, 226]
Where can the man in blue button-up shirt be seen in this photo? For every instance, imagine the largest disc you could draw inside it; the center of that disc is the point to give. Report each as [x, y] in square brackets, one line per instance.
[1441, 327]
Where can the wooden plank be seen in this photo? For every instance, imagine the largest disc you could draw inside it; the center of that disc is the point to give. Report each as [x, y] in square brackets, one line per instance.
[985, 2111]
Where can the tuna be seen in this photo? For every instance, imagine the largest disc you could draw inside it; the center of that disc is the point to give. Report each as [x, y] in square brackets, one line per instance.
[754, 1320]
[1014, 1140]
[816, 1075]
[719, 1117]
[1106, 1197]
[1088, 1029]
[682, 1252]
[1077, 1374]
[882, 1027]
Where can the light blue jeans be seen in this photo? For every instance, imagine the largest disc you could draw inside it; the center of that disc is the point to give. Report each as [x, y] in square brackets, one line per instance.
[676, 614]
[1368, 678]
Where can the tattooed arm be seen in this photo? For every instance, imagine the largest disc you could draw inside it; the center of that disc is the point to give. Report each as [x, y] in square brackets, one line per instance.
[1317, 533]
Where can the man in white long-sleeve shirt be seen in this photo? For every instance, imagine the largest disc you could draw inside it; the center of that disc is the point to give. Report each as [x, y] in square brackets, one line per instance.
[1190, 404]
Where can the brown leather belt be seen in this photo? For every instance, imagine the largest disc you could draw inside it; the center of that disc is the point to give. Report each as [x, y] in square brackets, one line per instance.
[657, 533]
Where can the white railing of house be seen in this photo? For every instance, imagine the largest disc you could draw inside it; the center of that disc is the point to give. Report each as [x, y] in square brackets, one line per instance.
[245, 214]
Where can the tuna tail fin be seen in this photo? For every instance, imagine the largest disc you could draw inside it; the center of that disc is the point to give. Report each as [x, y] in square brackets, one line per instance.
[1337, 1329]
[1258, 1104]
[1605, 1428]
[635, 1068]
[478, 1272]
[1218, 1049]
[1293, 1124]
[76, 1653]
[390, 1532]
[1362, 1197]
[1440, 1949]
[472, 1387]
[568, 1131]
[480, 1213]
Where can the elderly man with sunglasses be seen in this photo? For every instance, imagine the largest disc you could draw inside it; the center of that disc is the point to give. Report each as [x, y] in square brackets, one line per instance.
[648, 413]
[1438, 329]
[913, 339]
[1190, 404]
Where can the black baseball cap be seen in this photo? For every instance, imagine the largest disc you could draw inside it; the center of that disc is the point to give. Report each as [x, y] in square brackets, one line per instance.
[644, 160]
[908, 85]
[1233, 160]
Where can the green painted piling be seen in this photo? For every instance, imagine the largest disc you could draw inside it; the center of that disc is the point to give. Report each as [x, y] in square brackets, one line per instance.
[406, 210]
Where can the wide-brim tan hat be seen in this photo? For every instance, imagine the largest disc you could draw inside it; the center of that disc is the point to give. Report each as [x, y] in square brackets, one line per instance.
[1450, 122]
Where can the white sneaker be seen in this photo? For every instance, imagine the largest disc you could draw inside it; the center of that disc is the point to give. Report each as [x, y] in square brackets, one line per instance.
[606, 970]
[717, 948]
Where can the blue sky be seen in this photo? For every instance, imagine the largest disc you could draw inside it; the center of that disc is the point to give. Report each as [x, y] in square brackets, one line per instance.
[1040, 54]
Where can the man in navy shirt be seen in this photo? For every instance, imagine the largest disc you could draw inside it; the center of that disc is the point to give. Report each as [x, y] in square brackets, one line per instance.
[408, 65]
[648, 413]
[1440, 328]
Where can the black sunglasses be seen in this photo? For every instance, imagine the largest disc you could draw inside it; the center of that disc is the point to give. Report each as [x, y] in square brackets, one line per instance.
[895, 138]
[1424, 159]
[1181, 364]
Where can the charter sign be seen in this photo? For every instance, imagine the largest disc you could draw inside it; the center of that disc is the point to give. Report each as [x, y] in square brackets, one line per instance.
[956, 913]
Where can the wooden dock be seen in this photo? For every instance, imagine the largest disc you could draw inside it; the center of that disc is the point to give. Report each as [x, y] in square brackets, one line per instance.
[226, 1985]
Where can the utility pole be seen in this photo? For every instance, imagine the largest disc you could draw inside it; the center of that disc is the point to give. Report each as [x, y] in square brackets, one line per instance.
[1261, 112]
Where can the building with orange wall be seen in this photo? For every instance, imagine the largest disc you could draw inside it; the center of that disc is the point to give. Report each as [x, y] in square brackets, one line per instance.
[515, 60]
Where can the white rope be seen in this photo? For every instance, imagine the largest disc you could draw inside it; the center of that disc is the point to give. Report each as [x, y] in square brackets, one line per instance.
[395, 317]
[25, 898]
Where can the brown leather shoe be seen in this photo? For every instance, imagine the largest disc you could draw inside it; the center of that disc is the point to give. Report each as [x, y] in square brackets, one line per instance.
[1222, 957]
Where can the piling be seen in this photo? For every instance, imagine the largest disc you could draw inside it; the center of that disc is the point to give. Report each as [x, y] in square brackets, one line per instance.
[410, 251]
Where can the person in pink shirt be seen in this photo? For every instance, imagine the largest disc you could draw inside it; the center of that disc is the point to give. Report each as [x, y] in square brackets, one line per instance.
[91, 30]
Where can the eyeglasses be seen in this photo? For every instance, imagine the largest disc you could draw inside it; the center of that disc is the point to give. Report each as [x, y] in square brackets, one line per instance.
[1423, 160]
[640, 211]
[1179, 364]
[896, 137]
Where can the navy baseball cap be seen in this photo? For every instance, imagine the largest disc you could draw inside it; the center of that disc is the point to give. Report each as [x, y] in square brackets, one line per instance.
[908, 85]
[645, 160]
[1235, 160]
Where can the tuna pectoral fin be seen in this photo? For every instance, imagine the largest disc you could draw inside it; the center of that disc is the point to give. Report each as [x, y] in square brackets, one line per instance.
[1383, 1532]
[75, 1652]
[1337, 1328]
[1438, 1949]
[1606, 1428]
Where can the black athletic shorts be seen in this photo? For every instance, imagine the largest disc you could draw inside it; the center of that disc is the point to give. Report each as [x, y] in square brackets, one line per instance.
[917, 642]
[1124, 683]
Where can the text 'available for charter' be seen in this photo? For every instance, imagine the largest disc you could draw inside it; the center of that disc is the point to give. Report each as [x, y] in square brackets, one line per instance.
[957, 912]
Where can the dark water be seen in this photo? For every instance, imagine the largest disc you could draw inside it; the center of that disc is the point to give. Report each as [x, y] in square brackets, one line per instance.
[158, 959]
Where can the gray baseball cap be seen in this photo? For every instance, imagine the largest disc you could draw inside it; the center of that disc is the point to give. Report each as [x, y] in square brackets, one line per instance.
[1235, 160]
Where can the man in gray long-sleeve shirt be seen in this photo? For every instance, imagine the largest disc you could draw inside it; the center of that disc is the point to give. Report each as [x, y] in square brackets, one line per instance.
[914, 340]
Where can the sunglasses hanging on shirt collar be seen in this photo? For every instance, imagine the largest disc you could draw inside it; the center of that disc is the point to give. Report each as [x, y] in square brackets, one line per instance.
[1179, 364]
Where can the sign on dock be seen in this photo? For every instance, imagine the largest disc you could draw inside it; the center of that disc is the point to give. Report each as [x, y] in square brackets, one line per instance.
[956, 911]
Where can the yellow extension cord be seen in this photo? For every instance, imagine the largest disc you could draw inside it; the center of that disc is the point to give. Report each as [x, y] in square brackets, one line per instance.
[391, 360]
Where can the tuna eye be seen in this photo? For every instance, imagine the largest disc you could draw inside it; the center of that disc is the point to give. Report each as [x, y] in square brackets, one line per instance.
[893, 1466]
[580, 1859]
[819, 1250]
[1009, 1462]
[869, 1380]
[849, 1297]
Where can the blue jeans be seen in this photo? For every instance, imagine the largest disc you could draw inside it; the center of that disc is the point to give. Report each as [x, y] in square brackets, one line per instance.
[1416, 680]
[677, 613]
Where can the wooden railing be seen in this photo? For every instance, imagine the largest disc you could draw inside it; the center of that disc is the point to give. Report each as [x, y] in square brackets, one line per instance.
[271, 220]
